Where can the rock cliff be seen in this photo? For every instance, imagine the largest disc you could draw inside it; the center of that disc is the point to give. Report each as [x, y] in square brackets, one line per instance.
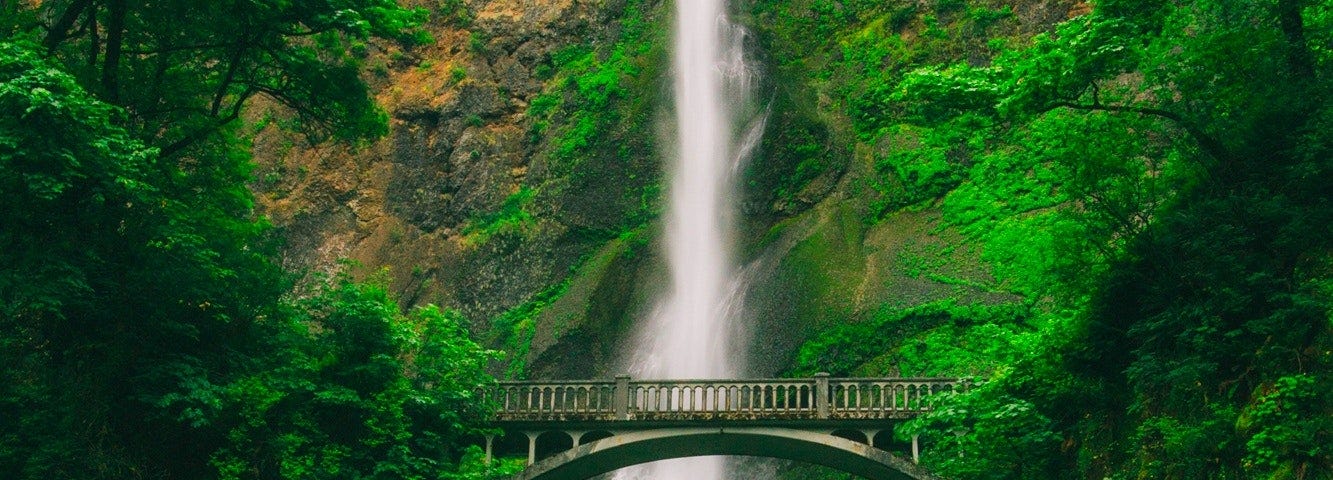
[520, 183]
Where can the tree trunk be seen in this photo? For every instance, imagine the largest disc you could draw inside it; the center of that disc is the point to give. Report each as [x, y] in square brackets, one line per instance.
[60, 30]
[1299, 59]
[94, 42]
[115, 33]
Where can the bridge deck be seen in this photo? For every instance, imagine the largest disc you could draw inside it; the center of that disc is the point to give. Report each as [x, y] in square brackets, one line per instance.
[626, 403]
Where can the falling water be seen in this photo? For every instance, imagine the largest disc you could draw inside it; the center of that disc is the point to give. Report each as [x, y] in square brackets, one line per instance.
[691, 332]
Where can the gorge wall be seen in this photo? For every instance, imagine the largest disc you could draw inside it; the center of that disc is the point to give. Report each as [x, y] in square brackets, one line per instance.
[520, 182]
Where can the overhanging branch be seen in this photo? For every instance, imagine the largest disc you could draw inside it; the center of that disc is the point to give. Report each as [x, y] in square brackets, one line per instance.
[1209, 144]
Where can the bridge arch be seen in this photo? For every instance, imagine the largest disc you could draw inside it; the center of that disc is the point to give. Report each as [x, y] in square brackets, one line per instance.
[637, 447]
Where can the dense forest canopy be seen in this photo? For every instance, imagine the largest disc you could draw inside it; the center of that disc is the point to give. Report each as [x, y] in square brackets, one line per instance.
[146, 331]
[1190, 142]
[1146, 184]
[1152, 179]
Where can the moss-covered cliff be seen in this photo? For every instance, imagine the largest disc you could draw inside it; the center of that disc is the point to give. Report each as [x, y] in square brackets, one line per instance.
[520, 155]
[521, 185]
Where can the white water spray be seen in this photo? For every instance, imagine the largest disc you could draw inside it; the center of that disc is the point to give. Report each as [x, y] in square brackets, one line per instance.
[692, 331]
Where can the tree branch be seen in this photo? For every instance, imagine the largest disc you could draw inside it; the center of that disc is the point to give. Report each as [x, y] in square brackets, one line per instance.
[1209, 144]
[94, 42]
[233, 64]
[204, 132]
[60, 30]
[200, 46]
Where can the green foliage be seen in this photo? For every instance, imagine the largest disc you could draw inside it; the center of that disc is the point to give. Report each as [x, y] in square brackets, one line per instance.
[1128, 173]
[143, 325]
[456, 12]
[592, 124]
[844, 85]
[473, 466]
[1290, 428]
[950, 340]
[66, 168]
[476, 41]
[591, 86]
[94, 229]
[987, 433]
[361, 391]
[1145, 178]
[794, 157]
[185, 70]
[593, 92]
[514, 328]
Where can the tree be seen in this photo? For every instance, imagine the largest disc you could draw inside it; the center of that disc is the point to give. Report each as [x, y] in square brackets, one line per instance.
[1209, 309]
[142, 312]
[87, 230]
[184, 70]
[355, 390]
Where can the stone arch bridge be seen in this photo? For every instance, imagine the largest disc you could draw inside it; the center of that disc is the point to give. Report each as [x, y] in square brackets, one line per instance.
[579, 429]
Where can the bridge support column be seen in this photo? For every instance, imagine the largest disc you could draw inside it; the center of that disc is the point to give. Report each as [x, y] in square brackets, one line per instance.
[532, 446]
[575, 435]
[916, 450]
[870, 436]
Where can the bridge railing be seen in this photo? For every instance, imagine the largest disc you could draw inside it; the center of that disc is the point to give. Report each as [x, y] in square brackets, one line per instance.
[554, 399]
[820, 397]
[688, 399]
[870, 398]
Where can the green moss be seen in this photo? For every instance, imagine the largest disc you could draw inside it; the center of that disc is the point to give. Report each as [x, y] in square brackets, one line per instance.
[940, 338]
[826, 267]
[456, 12]
[586, 283]
[514, 328]
[476, 42]
[593, 125]
[564, 307]
[513, 218]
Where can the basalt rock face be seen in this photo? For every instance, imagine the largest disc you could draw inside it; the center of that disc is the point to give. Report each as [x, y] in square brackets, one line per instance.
[520, 183]
[470, 202]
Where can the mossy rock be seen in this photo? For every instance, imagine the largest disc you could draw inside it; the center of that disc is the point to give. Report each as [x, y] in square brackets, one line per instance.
[581, 333]
[825, 268]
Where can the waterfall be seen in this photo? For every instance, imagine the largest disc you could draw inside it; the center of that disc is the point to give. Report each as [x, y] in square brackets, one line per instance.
[692, 331]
